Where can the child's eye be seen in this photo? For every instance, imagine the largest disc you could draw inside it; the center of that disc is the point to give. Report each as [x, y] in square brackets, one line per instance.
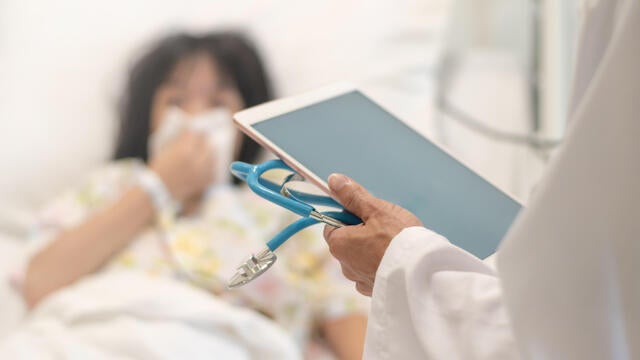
[215, 102]
[175, 100]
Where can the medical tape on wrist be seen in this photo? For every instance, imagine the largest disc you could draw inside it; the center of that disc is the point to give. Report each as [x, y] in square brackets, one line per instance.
[165, 206]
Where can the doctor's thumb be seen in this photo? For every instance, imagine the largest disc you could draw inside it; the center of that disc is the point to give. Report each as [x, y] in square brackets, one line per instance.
[352, 195]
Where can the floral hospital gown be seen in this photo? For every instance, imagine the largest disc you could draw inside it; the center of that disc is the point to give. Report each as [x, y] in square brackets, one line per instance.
[303, 287]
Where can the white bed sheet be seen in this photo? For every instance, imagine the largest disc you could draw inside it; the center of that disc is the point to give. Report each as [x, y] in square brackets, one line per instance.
[12, 311]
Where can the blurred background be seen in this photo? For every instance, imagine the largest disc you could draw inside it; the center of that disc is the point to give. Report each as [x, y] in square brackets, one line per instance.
[481, 77]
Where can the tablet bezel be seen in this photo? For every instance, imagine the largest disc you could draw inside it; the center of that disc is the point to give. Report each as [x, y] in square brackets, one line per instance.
[245, 120]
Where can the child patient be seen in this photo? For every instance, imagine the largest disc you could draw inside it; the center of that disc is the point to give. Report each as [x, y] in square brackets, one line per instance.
[166, 205]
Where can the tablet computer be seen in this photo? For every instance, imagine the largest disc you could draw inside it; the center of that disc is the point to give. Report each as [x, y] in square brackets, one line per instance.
[338, 129]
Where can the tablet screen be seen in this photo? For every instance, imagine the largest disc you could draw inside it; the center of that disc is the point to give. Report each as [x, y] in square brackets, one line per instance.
[351, 134]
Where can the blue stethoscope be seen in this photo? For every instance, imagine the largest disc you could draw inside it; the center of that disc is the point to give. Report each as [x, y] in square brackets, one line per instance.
[296, 201]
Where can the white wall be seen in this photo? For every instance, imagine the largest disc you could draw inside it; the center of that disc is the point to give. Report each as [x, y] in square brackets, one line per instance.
[497, 24]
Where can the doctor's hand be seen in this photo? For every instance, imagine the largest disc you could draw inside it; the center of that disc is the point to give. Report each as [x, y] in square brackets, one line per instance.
[360, 248]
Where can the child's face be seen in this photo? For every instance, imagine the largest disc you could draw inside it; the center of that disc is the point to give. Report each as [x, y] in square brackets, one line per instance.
[195, 85]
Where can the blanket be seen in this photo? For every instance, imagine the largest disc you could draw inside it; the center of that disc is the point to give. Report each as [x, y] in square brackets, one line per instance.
[125, 315]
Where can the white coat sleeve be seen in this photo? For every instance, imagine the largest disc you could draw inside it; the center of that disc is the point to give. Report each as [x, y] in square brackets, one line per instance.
[433, 300]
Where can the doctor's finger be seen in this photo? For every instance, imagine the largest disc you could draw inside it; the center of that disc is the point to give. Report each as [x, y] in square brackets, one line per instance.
[364, 289]
[332, 234]
[352, 195]
[341, 239]
[328, 230]
[348, 272]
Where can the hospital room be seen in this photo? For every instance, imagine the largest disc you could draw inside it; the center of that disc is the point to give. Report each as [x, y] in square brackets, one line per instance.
[337, 179]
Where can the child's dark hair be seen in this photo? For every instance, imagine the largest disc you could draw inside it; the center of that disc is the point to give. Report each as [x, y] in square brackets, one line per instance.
[235, 56]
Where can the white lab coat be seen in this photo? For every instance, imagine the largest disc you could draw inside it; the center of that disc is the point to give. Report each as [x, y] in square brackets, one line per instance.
[567, 285]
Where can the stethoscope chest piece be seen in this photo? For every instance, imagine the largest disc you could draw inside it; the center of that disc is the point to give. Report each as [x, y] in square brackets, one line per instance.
[253, 267]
